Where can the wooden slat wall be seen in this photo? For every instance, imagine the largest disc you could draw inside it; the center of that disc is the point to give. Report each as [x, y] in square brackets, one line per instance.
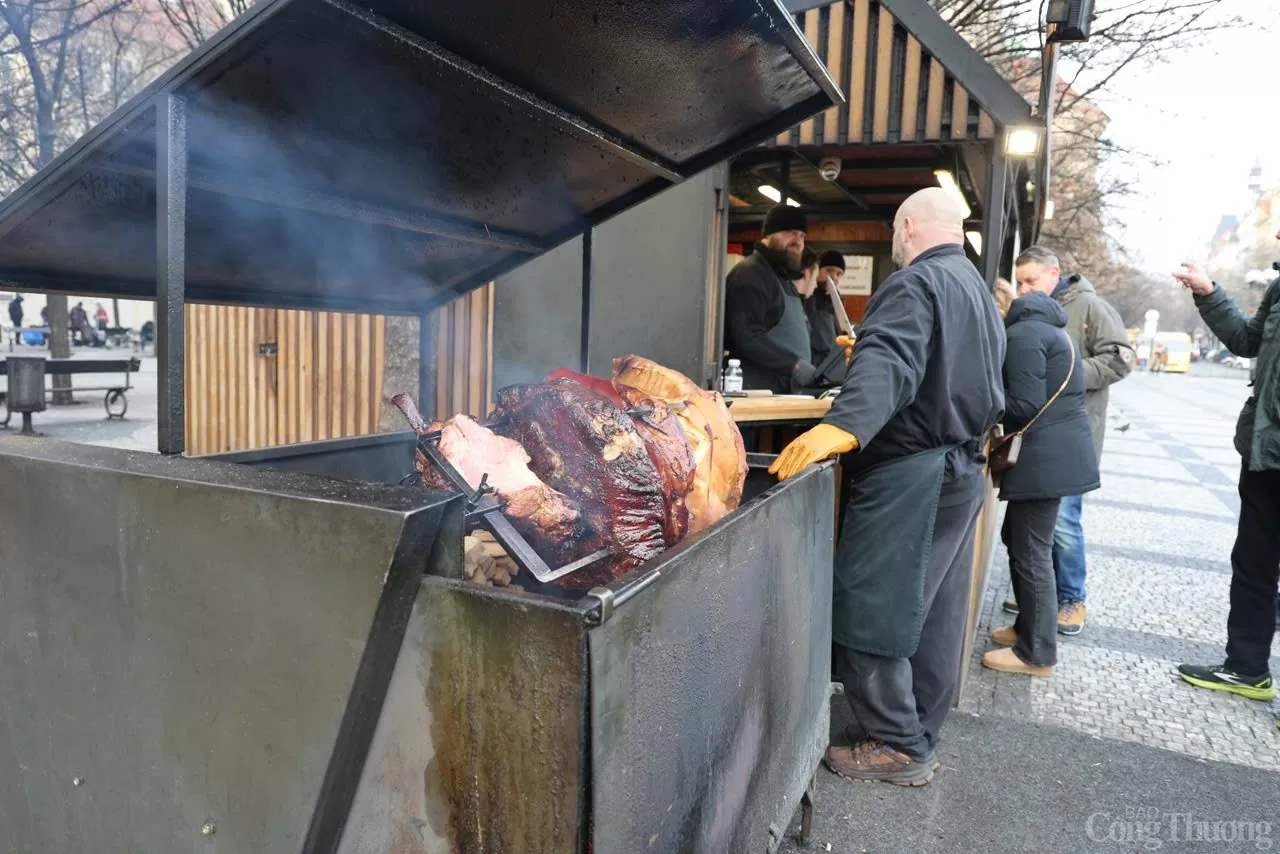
[464, 355]
[861, 43]
[324, 382]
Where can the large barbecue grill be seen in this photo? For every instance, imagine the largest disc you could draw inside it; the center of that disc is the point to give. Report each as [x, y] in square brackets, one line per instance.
[277, 650]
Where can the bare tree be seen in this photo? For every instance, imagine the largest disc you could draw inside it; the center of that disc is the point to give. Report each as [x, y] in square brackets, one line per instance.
[196, 20]
[65, 65]
[1090, 171]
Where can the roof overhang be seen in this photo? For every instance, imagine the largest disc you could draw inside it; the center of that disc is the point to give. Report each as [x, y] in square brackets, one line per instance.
[387, 156]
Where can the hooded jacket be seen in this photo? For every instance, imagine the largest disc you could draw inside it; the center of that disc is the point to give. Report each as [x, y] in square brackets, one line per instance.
[1058, 457]
[1099, 333]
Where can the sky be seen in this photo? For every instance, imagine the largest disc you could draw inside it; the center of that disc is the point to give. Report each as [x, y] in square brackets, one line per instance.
[1206, 115]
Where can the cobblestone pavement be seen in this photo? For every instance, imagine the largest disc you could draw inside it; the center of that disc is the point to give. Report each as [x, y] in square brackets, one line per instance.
[1159, 536]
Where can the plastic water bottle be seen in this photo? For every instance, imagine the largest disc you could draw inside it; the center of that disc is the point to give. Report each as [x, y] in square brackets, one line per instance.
[733, 376]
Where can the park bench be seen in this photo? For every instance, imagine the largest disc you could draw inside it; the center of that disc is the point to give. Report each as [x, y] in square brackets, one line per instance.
[115, 401]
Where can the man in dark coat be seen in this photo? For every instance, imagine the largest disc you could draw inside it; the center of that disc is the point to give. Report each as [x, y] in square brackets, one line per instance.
[922, 392]
[1255, 560]
[764, 320]
[15, 316]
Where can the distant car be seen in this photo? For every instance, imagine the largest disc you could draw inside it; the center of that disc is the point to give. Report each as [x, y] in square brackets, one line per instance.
[1176, 351]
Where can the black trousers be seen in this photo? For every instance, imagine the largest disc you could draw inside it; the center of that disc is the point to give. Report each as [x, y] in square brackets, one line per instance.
[1255, 573]
[904, 702]
[1028, 535]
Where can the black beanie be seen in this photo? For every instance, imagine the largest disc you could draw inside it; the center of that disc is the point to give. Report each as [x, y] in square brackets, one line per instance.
[784, 218]
[831, 258]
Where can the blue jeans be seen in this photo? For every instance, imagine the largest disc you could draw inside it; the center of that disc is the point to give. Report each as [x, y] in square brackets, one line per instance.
[1068, 552]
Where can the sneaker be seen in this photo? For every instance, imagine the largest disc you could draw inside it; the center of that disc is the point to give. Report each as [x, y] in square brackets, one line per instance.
[875, 761]
[1071, 618]
[1010, 606]
[1221, 679]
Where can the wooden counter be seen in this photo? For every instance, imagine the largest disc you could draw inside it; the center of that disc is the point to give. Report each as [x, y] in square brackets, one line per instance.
[774, 410]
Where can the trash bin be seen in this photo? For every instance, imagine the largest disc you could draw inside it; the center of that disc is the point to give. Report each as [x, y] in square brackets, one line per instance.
[26, 387]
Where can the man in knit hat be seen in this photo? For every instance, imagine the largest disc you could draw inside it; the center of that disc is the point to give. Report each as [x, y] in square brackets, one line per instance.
[765, 325]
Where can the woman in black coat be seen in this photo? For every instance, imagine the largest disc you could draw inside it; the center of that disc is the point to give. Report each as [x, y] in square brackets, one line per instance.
[1057, 459]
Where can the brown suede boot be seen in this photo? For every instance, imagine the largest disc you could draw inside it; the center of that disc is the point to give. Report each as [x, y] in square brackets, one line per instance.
[1005, 636]
[1006, 661]
[875, 761]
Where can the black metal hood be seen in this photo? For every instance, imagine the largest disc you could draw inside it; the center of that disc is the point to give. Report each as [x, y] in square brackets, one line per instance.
[385, 157]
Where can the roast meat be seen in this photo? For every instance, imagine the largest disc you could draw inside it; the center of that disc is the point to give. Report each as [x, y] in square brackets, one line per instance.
[719, 456]
[663, 438]
[547, 518]
[582, 444]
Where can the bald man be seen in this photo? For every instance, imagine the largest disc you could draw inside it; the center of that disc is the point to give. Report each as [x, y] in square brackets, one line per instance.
[923, 390]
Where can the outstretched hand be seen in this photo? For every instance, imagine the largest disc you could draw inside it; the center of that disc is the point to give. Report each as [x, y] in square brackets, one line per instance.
[1193, 279]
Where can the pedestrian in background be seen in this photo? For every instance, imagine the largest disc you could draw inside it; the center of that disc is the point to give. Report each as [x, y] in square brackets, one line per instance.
[15, 316]
[1005, 294]
[1255, 559]
[1044, 405]
[1106, 358]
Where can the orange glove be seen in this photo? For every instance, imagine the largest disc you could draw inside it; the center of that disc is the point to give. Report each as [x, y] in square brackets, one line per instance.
[821, 443]
[846, 341]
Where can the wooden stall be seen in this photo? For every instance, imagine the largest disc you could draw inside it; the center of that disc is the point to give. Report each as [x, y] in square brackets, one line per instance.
[256, 378]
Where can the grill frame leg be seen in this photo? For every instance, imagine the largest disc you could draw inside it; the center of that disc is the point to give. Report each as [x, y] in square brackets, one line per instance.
[806, 814]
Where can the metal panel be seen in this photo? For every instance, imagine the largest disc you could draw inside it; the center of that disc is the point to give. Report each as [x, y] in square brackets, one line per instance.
[190, 665]
[382, 458]
[709, 709]
[537, 317]
[390, 155]
[649, 281]
[481, 747]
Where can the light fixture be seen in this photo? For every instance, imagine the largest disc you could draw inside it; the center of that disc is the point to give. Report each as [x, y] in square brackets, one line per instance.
[975, 240]
[1048, 209]
[947, 181]
[1073, 20]
[1023, 141]
[772, 194]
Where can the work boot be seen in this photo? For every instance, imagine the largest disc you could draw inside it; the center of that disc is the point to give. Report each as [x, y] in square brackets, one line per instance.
[1071, 618]
[1220, 678]
[1005, 636]
[1007, 661]
[855, 734]
[1010, 606]
[875, 761]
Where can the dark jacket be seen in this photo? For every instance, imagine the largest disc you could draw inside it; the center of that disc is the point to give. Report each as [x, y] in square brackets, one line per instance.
[753, 304]
[15, 311]
[926, 369]
[822, 325]
[1258, 428]
[1058, 458]
[1099, 333]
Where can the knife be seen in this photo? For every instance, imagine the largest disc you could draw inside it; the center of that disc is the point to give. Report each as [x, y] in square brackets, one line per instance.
[842, 316]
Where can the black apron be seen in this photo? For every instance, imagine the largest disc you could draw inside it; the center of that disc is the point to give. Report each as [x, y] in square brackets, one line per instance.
[791, 334]
[883, 555]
